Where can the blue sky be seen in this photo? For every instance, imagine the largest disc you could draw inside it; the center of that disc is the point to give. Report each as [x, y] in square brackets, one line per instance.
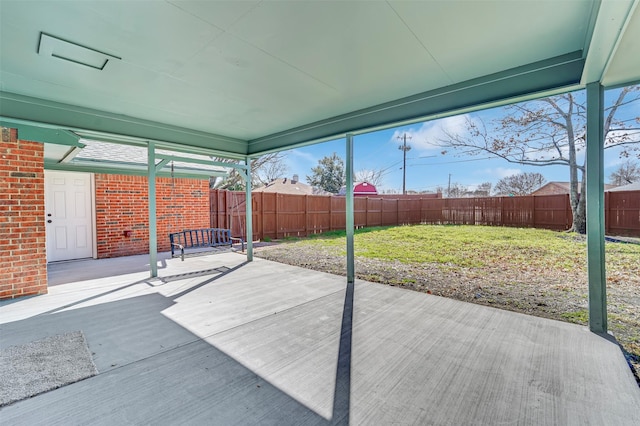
[427, 168]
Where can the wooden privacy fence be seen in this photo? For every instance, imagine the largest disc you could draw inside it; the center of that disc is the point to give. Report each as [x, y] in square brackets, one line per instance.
[622, 213]
[283, 215]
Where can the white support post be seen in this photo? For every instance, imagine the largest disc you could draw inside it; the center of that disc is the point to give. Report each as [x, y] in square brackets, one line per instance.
[595, 209]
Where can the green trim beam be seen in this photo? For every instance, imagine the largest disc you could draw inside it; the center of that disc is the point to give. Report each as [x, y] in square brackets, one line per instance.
[248, 210]
[595, 209]
[122, 169]
[28, 132]
[504, 87]
[349, 210]
[129, 140]
[199, 161]
[76, 118]
[153, 225]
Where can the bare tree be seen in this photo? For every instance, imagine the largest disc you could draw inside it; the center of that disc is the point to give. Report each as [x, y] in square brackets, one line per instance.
[456, 190]
[483, 190]
[374, 177]
[626, 173]
[272, 169]
[519, 184]
[263, 170]
[551, 131]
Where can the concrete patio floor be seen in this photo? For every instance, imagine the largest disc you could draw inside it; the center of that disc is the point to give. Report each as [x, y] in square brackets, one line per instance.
[216, 340]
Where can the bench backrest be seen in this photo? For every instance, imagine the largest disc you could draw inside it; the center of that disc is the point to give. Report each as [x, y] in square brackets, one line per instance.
[206, 237]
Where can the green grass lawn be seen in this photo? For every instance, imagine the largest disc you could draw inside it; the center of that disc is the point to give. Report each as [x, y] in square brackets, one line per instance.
[480, 246]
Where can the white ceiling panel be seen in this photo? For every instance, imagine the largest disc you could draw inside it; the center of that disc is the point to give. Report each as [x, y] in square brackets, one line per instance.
[491, 36]
[625, 63]
[351, 47]
[155, 35]
[260, 70]
[274, 94]
[221, 13]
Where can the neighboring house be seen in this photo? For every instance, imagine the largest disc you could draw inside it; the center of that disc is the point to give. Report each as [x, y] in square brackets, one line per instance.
[361, 189]
[554, 188]
[635, 186]
[364, 189]
[287, 186]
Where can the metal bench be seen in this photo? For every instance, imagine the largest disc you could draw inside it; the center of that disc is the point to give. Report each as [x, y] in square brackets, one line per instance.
[201, 238]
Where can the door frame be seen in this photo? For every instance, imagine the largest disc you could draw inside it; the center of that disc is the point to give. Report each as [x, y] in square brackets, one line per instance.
[92, 206]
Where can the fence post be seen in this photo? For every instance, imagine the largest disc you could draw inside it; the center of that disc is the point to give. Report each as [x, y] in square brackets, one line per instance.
[227, 212]
[607, 212]
[276, 195]
[306, 215]
[533, 211]
[366, 212]
[568, 212]
[261, 213]
[473, 213]
[331, 213]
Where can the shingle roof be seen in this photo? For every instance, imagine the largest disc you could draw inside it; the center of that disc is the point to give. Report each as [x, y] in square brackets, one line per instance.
[136, 155]
[287, 186]
[635, 186]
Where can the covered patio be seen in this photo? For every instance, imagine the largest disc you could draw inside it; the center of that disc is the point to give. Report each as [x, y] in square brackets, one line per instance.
[242, 79]
[253, 342]
[218, 340]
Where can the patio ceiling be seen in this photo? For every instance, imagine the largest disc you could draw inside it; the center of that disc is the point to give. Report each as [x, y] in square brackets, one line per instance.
[243, 78]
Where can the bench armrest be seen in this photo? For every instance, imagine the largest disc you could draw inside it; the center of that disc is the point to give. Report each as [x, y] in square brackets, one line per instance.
[239, 239]
[181, 247]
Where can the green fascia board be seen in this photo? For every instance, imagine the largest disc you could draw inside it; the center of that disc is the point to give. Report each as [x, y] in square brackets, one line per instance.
[128, 170]
[76, 118]
[513, 85]
[198, 161]
[43, 134]
[128, 140]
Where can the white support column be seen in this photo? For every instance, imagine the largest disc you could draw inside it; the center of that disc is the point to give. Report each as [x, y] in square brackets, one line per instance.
[595, 209]
[151, 194]
[249, 210]
[349, 210]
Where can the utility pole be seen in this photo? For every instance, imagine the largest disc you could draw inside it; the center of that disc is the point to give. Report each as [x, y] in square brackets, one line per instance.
[449, 187]
[404, 148]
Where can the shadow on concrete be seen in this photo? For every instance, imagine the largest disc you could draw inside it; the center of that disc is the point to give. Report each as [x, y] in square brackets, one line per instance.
[153, 370]
[90, 269]
[342, 394]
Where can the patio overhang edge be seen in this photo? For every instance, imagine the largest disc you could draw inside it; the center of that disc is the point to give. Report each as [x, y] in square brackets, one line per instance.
[51, 135]
[126, 169]
[111, 127]
[543, 78]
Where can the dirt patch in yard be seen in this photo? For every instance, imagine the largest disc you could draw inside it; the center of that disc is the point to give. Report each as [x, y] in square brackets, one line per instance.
[534, 291]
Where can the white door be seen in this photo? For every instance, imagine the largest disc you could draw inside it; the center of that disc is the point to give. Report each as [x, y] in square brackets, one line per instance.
[68, 215]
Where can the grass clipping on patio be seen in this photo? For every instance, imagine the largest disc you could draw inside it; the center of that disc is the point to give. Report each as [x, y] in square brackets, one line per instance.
[33, 368]
[533, 271]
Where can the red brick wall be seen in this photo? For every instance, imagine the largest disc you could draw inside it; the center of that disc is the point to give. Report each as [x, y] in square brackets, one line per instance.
[122, 205]
[23, 263]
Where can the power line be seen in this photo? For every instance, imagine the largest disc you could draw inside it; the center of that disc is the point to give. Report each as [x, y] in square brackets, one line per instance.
[455, 161]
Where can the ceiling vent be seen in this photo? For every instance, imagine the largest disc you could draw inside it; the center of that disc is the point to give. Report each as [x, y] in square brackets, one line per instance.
[73, 52]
